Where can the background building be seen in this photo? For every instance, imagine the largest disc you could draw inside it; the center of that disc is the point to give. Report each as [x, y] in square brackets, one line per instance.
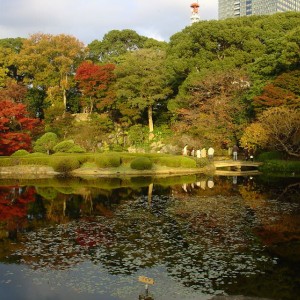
[238, 8]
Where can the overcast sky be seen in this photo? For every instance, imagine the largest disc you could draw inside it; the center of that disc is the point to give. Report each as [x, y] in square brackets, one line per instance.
[88, 20]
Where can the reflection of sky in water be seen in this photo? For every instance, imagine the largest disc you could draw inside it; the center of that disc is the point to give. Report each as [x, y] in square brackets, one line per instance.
[86, 281]
[22, 283]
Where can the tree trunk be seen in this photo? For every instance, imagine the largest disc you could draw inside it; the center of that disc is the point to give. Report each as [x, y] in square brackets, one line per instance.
[150, 121]
[65, 98]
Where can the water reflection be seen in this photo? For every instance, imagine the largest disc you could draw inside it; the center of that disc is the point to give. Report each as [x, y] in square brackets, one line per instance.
[197, 236]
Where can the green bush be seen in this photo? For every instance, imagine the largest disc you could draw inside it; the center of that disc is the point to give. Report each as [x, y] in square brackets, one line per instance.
[176, 162]
[6, 162]
[65, 164]
[141, 163]
[172, 162]
[76, 149]
[46, 142]
[270, 156]
[108, 161]
[280, 166]
[35, 160]
[38, 154]
[64, 146]
[20, 152]
[186, 162]
[202, 162]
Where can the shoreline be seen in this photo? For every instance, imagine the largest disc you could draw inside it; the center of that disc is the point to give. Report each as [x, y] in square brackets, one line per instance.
[31, 172]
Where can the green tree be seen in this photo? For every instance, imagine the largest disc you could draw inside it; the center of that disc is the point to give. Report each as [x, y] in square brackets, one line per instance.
[49, 62]
[46, 143]
[142, 83]
[114, 44]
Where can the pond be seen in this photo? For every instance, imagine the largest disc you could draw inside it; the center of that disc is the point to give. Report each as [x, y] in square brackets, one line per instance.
[197, 237]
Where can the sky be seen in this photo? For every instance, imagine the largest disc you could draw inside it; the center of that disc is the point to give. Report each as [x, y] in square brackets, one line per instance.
[90, 20]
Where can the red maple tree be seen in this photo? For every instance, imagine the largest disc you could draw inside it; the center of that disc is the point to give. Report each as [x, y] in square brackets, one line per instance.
[284, 90]
[16, 127]
[94, 82]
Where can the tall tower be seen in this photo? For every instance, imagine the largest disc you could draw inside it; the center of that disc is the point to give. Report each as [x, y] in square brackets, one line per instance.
[195, 12]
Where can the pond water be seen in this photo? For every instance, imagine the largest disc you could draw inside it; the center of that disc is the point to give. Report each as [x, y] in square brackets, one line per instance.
[197, 237]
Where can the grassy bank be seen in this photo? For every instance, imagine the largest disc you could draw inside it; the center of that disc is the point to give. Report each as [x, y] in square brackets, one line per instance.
[96, 163]
[275, 163]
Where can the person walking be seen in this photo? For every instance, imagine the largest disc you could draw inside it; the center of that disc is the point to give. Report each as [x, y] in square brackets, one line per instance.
[235, 151]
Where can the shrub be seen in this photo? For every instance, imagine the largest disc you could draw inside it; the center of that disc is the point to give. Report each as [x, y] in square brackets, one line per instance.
[280, 166]
[141, 163]
[202, 162]
[38, 154]
[270, 155]
[177, 162]
[186, 162]
[76, 149]
[64, 146]
[46, 142]
[42, 160]
[172, 162]
[107, 161]
[65, 164]
[20, 152]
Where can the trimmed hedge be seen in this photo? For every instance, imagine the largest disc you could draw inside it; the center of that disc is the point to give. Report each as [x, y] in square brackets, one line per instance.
[108, 161]
[141, 163]
[177, 162]
[64, 164]
[20, 152]
[68, 147]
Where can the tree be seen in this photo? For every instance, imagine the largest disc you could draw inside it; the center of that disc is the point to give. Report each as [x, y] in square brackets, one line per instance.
[142, 83]
[46, 143]
[277, 128]
[114, 44]
[13, 91]
[9, 48]
[209, 107]
[16, 127]
[284, 90]
[49, 61]
[94, 82]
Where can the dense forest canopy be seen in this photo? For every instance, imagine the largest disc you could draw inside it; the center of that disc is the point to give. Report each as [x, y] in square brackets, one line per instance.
[215, 83]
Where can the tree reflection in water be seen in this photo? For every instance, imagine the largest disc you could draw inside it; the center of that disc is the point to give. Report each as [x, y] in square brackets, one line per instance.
[204, 236]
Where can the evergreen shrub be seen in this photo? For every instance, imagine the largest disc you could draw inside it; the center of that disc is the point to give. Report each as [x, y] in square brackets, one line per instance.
[6, 162]
[20, 152]
[270, 156]
[68, 147]
[65, 164]
[76, 149]
[177, 162]
[186, 162]
[35, 160]
[141, 163]
[280, 166]
[108, 161]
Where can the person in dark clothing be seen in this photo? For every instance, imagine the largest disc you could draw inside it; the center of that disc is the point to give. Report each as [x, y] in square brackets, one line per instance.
[246, 152]
[251, 153]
